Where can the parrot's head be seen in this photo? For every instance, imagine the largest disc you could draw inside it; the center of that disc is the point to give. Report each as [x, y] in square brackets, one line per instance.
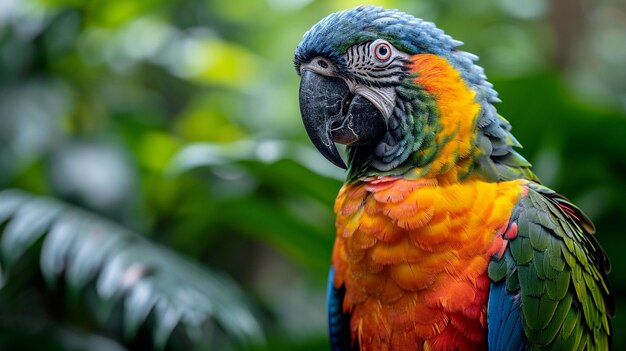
[399, 94]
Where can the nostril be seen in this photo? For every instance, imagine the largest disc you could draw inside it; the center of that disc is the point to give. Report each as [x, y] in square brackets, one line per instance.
[322, 63]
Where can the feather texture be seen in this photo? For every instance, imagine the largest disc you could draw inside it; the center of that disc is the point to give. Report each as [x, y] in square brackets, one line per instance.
[557, 270]
[504, 323]
[338, 320]
[413, 256]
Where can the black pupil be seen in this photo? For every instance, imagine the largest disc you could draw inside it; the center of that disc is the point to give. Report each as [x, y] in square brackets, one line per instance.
[382, 51]
[322, 63]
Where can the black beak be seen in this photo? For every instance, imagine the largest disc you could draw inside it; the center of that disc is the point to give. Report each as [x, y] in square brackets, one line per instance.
[331, 113]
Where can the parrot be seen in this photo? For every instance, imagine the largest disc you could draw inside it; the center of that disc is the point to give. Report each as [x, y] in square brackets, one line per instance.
[445, 238]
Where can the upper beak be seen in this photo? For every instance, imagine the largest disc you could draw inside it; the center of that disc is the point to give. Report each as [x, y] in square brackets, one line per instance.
[331, 113]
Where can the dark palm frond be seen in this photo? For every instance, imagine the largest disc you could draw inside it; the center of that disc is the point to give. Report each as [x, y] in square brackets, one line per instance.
[125, 269]
[27, 333]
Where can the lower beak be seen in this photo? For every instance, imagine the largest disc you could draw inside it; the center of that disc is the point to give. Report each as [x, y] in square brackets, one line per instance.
[331, 113]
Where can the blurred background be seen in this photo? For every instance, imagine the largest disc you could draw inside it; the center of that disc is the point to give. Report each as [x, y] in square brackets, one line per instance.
[160, 191]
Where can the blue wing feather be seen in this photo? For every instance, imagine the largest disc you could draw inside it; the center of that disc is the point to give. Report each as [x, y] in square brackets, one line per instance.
[338, 320]
[503, 320]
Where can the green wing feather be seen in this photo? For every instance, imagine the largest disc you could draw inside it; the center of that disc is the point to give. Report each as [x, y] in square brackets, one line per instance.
[558, 270]
[497, 159]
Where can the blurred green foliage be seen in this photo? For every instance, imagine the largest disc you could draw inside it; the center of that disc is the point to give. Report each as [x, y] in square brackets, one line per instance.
[179, 120]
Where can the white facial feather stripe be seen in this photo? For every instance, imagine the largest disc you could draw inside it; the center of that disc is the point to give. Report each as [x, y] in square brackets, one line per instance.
[364, 63]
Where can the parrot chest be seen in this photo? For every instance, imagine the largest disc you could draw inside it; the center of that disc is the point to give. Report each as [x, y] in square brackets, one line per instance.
[413, 257]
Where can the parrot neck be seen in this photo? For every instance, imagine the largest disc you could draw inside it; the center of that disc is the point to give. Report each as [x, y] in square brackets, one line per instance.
[442, 127]
[432, 130]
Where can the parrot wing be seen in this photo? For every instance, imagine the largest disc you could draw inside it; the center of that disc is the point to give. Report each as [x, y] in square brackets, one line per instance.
[338, 320]
[549, 287]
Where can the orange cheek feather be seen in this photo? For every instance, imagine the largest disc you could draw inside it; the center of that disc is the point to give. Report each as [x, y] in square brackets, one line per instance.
[457, 108]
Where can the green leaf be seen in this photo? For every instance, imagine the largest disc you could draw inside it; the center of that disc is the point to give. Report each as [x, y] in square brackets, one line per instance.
[28, 225]
[147, 280]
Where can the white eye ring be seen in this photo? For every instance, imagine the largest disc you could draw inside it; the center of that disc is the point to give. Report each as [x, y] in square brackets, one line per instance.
[382, 51]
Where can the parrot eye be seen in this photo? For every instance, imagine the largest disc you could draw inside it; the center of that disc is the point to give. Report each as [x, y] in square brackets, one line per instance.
[382, 51]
